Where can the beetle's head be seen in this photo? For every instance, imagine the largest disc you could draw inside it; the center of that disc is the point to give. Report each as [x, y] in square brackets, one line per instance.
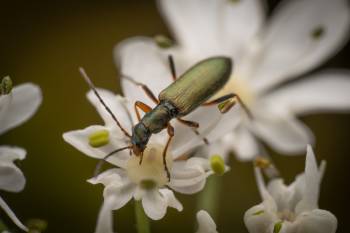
[139, 138]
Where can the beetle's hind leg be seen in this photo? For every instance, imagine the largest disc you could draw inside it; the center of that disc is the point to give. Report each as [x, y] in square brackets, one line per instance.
[226, 102]
[170, 130]
[194, 126]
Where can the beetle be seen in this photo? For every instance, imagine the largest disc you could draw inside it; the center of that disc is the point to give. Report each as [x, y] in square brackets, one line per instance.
[191, 90]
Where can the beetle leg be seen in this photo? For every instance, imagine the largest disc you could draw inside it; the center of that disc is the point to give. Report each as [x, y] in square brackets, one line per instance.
[220, 99]
[170, 130]
[172, 67]
[148, 91]
[227, 102]
[144, 107]
[193, 125]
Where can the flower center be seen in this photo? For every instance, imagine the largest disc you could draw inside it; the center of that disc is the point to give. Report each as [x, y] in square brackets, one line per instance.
[239, 87]
[151, 172]
[286, 215]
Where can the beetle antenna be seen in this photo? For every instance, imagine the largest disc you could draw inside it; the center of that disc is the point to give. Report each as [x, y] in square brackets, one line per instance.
[93, 88]
[102, 161]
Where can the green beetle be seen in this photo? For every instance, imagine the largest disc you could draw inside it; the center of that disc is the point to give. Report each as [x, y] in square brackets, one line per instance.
[185, 94]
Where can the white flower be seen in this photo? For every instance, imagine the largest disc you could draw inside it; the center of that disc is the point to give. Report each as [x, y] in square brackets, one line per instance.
[147, 181]
[16, 108]
[205, 223]
[293, 208]
[298, 37]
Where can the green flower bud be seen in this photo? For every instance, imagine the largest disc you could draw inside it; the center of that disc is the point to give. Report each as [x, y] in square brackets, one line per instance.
[163, 41]
[6, 86]
[217, 164]
[99, 138]
[36, 225]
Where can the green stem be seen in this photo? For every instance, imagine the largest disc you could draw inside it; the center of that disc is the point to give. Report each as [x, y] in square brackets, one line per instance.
[209, 198]
[142, 221]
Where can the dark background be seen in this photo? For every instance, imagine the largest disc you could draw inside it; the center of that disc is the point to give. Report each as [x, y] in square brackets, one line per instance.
[44, 42]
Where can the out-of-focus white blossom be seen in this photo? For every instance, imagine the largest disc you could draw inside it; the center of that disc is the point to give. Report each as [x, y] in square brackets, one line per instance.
[293, 208]
[147, 181]
[205, 223]
[299, 36]
[16, 107]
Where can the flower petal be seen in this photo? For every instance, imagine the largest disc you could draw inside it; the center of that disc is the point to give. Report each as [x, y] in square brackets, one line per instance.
[116, 103]
[243, 143]
[205, 223]
[12, 215]
[320, 221]
[11, 177]
[258, 219]
[105, 217]
[141, 59]
[301, 36]
[20, 105]
[80, 140]
[155, 203]
[185, 139]
[208, 28]
[282, 132]
[189, 176]
[326, 91]
[312, 183]
[117, 187]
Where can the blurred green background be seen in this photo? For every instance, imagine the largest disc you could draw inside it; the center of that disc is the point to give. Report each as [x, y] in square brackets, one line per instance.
[44, 42]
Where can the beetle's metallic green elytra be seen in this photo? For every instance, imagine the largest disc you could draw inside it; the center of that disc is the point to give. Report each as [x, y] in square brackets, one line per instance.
[198, 84]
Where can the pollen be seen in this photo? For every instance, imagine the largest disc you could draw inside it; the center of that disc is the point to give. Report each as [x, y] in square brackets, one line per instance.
[99, 138]
[217, 164]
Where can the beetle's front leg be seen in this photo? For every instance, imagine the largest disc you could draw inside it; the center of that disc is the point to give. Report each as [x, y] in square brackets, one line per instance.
[170, 130]
[144, 107]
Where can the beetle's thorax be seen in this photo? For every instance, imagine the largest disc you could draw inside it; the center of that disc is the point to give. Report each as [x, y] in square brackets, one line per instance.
[152, 122]
[158, 119]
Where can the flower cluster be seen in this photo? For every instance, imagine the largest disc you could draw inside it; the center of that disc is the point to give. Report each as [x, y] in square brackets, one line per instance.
[268, 53]
[17, 105]
[147, 180]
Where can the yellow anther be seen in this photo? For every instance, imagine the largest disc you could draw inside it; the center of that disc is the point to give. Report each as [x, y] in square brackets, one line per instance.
[99, 138]
[227, 105]
[278, 226]
[217, 164]
[261, 162]
[258, 212]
